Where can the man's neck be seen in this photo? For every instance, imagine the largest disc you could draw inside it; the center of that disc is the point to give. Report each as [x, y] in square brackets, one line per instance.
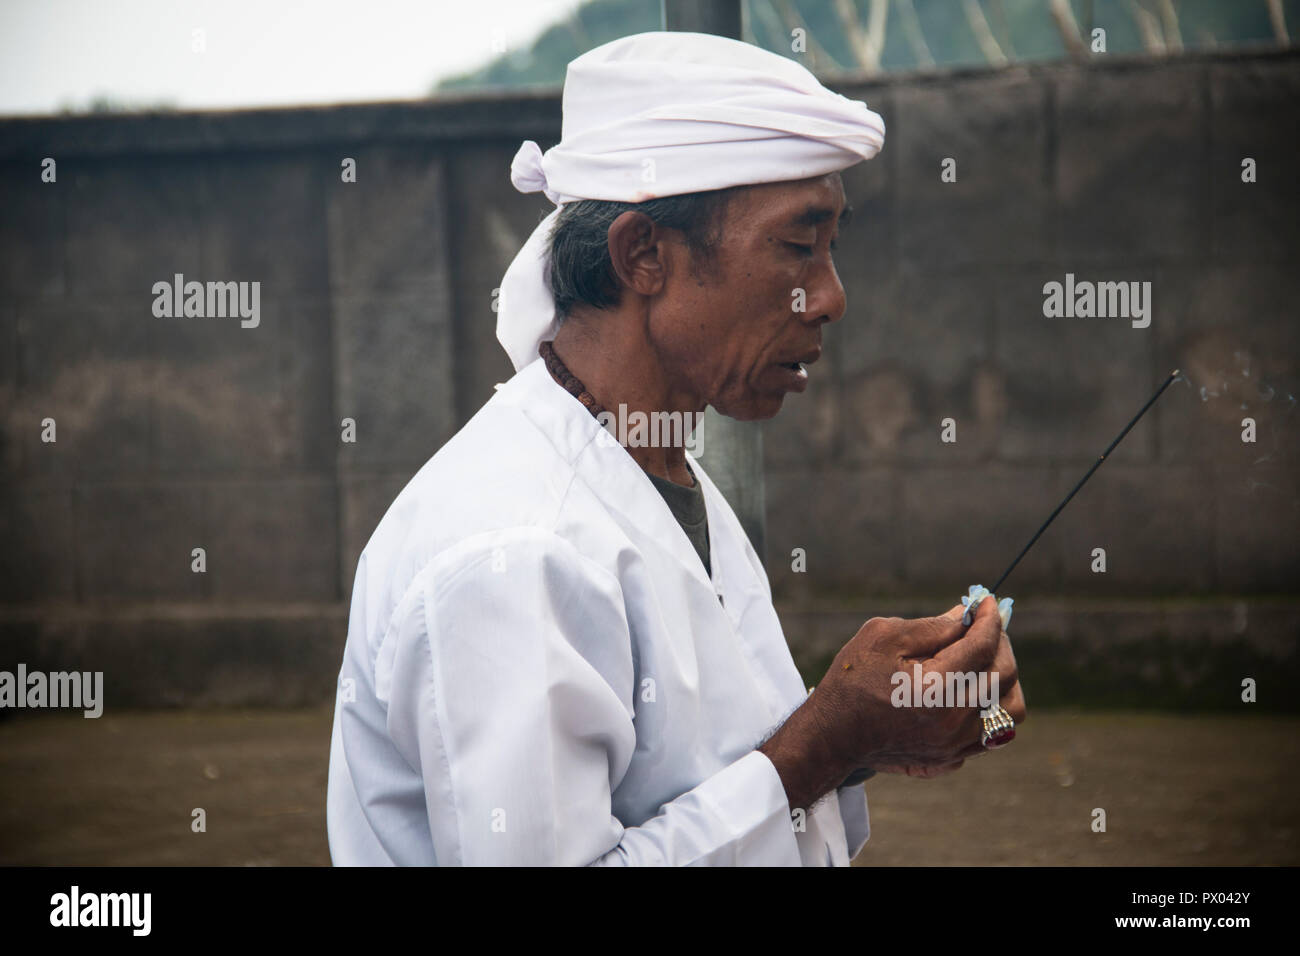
[620, 368]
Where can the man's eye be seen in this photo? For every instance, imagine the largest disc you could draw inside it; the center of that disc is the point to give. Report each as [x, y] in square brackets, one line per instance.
[807, 250]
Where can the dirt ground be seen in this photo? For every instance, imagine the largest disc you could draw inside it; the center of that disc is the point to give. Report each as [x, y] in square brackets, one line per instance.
[121, 790]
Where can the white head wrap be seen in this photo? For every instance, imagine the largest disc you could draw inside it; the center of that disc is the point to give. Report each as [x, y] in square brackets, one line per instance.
[661, 114]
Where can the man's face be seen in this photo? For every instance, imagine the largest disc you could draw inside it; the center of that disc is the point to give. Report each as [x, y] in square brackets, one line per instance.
[730, 333]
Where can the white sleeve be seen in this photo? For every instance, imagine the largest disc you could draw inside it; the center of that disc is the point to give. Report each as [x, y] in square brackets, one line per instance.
[510, 685]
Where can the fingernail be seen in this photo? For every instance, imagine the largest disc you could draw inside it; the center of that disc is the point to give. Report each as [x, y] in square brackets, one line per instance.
[972, 600]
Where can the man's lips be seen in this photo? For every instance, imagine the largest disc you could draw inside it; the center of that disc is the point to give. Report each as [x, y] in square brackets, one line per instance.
[796, 363]
[792, 373]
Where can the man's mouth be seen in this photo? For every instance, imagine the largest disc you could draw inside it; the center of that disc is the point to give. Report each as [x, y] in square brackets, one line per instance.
[793, 375]
[801, 362]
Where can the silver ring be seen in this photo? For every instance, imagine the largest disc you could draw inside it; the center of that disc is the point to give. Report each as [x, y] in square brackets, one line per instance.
[999, 728]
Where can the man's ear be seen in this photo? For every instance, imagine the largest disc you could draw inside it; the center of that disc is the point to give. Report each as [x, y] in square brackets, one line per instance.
[636, 252]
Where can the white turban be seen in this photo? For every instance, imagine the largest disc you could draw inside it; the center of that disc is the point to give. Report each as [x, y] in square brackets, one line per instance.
[661, 114]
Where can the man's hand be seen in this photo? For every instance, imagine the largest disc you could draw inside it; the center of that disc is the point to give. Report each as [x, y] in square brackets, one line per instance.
[1012, 699]
[849, 721]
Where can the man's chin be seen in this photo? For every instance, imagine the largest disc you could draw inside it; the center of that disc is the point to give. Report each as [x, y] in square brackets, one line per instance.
[755, 409]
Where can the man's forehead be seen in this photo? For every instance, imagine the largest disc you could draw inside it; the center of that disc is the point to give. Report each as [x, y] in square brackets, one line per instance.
[804, 202]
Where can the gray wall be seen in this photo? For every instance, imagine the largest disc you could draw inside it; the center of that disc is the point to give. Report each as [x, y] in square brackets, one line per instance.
[376, 305]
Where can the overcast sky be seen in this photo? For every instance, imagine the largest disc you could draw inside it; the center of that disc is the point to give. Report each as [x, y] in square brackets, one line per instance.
[257, 52]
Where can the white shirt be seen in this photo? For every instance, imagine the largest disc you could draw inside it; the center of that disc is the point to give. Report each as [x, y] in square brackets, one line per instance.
[539, 670]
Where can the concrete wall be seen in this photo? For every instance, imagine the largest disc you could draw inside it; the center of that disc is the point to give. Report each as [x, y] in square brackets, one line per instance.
[376, 302]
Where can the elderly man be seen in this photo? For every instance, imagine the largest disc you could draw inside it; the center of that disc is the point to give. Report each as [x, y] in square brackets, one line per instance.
[562, 648]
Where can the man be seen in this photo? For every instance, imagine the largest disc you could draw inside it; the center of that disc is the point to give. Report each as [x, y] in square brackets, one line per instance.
[562, 648]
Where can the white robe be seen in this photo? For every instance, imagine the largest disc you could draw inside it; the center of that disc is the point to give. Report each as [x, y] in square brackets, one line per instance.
[539, 671]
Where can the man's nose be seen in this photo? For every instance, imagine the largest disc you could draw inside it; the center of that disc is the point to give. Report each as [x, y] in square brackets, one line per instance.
[829, 303]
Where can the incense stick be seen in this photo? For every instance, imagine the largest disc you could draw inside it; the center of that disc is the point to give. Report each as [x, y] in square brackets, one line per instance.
[1095, 465]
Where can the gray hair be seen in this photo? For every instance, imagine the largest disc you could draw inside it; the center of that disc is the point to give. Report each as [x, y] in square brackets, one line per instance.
[580, 271]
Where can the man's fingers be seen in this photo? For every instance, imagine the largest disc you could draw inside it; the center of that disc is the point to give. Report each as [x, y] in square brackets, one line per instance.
[1013, 702]
[927, 770]
[926, 636]
[1004, 665]
[977, 648]
[920, 769]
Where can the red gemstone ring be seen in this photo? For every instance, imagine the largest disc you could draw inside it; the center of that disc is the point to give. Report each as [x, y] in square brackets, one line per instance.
[999, 728]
